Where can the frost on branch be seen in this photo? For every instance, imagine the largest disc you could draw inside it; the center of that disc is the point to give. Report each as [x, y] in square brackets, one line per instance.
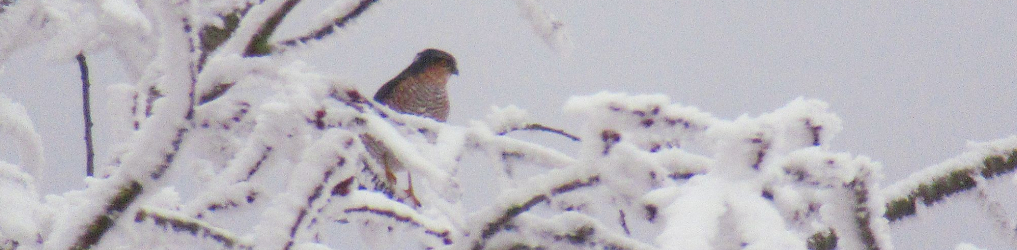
[232, 148]
[983, 162]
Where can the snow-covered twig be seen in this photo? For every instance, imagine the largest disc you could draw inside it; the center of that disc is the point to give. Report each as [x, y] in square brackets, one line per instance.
[155, 146]
[259, 45]
[212, 36]
[950, 177]
[520, 204]
[360, 205]
[564, 231]
[172, 220]
[344, 13]
[541, 127]
[124, 197]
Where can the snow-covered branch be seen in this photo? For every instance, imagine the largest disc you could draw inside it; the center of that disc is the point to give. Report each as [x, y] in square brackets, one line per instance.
[170, 220]
[960, 174]
[341, 14]
[232, 148]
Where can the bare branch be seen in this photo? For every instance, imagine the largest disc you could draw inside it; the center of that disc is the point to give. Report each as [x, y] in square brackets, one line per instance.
[87, 112]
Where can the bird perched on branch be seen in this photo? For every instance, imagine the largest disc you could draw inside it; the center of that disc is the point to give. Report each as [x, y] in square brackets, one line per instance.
[418, 90]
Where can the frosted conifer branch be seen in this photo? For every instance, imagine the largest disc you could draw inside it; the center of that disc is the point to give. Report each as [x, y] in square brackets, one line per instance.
[345, 13]
[212, 36]
[114, 208]
[259, 45]
[864, 217]
[277, 140]
[950, 177]
[825, 240]
[171, 220]
[520, 206]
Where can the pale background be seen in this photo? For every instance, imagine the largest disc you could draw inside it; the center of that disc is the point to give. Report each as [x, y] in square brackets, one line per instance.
[914, 81]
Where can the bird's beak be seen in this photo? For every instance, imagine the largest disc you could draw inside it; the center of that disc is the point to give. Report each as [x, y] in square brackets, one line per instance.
[455, 71]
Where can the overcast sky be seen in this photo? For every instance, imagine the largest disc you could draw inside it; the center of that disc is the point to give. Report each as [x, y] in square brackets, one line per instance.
[913, 81]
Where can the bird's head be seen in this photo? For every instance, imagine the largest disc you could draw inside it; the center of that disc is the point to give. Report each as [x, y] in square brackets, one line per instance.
[437, 57]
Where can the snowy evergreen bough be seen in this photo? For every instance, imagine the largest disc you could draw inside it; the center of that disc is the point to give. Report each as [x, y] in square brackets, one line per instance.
[231, 147]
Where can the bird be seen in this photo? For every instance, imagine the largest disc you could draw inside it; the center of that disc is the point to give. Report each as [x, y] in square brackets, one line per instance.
[419, 90]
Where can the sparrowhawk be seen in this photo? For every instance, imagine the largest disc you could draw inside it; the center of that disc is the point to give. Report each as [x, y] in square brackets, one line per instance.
[418, 90]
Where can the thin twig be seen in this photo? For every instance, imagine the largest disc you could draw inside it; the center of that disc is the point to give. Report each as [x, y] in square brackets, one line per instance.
[87, 111]
[129, 191]
[501, 223]
[339, 22]
[442, 234]
[171, 220]
[541, 127]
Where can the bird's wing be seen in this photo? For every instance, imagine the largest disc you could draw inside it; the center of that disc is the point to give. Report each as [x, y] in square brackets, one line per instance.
[386, 91]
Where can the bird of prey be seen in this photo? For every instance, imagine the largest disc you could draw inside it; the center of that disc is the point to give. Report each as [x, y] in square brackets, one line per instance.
[418, 90]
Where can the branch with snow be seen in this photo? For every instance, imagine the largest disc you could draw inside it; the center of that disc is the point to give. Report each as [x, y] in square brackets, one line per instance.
[960, 174]
[341, 14]
[171, 220]
[275, 155]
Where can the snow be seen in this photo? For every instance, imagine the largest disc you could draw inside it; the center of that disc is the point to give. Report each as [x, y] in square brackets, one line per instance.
[22, 25]
[278, 158]
[693, 218]
[22, 219]
[967, 246]
[16, 124]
